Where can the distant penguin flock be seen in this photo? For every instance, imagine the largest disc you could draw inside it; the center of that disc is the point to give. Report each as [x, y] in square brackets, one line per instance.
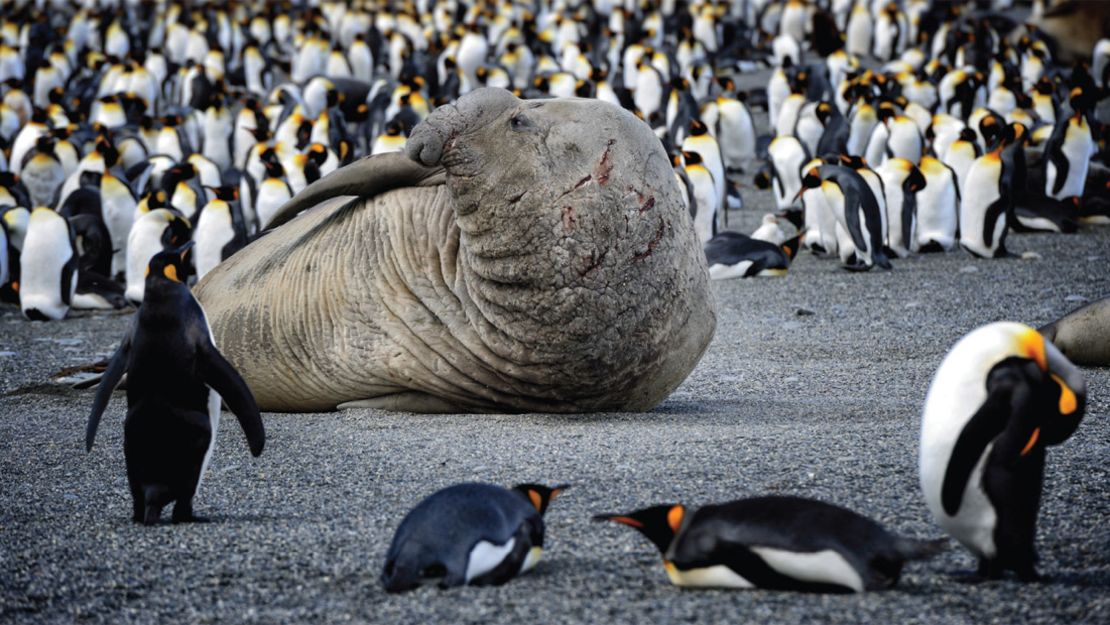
[143, 143]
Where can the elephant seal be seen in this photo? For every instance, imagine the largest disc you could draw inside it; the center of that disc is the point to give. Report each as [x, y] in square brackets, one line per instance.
[1083, 335]
[521, 256]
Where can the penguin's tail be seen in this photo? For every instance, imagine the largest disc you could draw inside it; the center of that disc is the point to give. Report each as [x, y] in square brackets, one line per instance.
[913, 549]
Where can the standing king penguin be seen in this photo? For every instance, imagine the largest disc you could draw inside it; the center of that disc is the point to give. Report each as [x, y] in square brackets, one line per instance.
[176, 378]
[1000, 396]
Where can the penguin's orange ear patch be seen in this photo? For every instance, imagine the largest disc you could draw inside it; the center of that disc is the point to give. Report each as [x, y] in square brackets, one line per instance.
[537, 500]
[675, 516]
[170, 271]
[1068, 402]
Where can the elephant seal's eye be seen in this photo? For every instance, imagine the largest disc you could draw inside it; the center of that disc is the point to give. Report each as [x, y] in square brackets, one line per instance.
[520, 122]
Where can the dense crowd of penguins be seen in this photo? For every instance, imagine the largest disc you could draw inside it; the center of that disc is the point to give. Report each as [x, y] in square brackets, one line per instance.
[900, 127]
[132, 131]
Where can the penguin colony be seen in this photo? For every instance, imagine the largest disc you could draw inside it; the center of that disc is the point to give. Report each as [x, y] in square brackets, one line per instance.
[131, 132]
[897, 127]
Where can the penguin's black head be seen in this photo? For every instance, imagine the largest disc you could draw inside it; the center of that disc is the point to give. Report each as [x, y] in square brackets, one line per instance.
[968, 135]
[539, 495]
[698, 128]
[169, 266]
[812, 178]
[227, 193]
[853, 161]
[692, 158]
[659, 524]
[914, 182]
[992, 128]
[823, 112]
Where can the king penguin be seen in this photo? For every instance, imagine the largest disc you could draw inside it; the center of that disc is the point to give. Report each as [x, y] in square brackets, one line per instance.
[938, 207]
[1001, 395]
[220, 230]
[775, 542]
[48, 267]
[153, 232]
[860, 220]
[983, 218]
[471, 533]
[176, 379]
[1069, 150]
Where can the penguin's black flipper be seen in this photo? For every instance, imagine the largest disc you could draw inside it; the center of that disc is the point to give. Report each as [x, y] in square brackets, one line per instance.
[1004, 381]
[225, 380]
[1054, 150]
[108, 382]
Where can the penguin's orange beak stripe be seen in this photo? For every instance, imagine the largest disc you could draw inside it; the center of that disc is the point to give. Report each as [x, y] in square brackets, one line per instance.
[625, 520]
[1032, 441]
[1068, 402]
[1032, 344]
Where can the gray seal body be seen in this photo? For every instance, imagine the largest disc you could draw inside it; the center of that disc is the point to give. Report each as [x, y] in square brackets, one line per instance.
[523, 256]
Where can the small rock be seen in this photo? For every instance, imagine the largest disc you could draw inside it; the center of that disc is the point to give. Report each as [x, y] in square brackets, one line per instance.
[1093, 258]
[1076, 298]
[969, 269]
[7, 354]
[804, 312]
[1031, 256]
[70, 497]
[913, 304]
[790, 380]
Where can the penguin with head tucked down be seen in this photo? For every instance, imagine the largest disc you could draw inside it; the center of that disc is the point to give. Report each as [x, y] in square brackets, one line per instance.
[901, 182]
[775, 542]
[43, 173]
[220, 230]
[176, 379]
[859, 218]
[938, 207]
[477, 534]
[153, 232]
[1069, 150]
[983, 208]
[1001, 395]
[48, 267]
[735, 255]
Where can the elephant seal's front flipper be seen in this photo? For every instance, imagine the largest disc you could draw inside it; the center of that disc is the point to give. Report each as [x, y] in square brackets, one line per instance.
[407, 401]
[1083, 335]
[365, 178]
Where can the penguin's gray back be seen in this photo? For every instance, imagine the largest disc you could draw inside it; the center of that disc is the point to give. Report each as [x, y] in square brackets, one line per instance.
[438, 537]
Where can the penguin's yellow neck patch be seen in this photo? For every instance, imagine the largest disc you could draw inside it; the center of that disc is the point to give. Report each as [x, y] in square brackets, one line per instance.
[1068, 401]
[1032, 344]
[170, 271]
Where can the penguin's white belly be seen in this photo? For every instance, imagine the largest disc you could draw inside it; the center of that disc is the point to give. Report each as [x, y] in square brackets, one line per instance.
[976, 518]
[718, 576]
[1077, 148]
[486, 556]
[720, 271]
[822, 567]
[936, 214]
[213, 411]
[532, 559]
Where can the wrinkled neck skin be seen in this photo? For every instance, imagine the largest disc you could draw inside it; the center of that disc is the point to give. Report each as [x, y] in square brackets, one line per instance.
[568, 236]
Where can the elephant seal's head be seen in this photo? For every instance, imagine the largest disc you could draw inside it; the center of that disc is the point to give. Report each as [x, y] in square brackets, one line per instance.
[573, 234]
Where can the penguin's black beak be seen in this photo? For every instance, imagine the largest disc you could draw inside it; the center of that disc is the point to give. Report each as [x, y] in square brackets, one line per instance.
[618, 518]
[183, 250]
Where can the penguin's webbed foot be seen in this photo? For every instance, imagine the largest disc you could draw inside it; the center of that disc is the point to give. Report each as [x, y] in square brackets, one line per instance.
[183, 513]
[857, 267]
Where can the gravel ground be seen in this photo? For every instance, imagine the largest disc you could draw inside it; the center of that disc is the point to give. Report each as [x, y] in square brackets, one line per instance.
[813, 386]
